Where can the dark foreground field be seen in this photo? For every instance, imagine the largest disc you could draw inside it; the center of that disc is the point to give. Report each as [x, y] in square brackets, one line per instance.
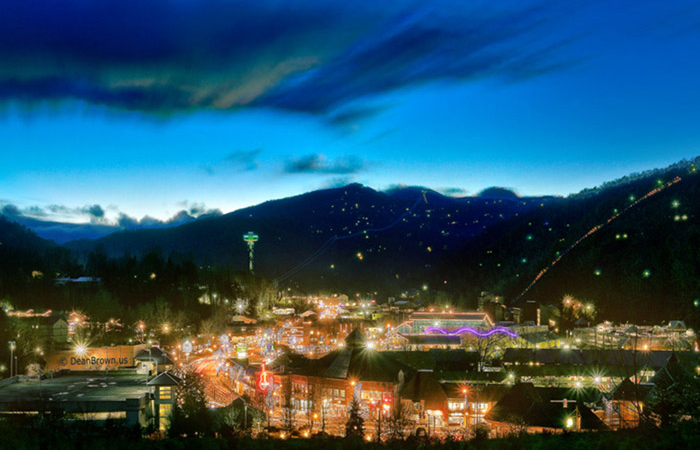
[79, 436]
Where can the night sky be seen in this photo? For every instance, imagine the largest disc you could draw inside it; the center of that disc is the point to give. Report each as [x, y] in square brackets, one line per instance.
[115, 110]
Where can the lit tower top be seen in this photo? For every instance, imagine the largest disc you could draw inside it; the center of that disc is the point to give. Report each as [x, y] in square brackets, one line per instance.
[250, 238]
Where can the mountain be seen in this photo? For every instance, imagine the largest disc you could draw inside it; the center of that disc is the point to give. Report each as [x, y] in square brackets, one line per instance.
[25, 256]
[62, 232]
[498, 193]
[342, 238]
[629, 247]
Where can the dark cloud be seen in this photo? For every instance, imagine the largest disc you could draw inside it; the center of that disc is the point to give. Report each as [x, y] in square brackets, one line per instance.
[195, 210]
[316, 163]
[35, 211]
[337, 182]
[181, 217]
[397, 187]
[310, 56]
[427, 44]
[11, 210]
[452, 191]
[351, 117]
[57, 209]
[126, 221]
[56, 221]
[95, 212]
[149, 222]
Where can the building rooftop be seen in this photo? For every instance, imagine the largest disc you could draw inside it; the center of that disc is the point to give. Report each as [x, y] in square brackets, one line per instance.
[542, 407]
[605, 358]
[357, 361]
[436, 339]
[425, 386]
[165, 379]
[154, 354]
[75, 387]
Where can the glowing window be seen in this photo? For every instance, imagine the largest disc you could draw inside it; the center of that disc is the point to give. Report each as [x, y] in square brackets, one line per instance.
[165, 392]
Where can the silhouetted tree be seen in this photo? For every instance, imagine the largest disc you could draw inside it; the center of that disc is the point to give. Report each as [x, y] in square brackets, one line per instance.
[355, 426]
[190, 415]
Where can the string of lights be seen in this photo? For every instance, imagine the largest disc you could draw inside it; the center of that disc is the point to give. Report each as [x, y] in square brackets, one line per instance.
[595, 229]
[472, 331]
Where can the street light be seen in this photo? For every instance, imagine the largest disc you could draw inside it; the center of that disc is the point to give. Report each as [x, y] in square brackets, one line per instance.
[569, 424]
[464, 392]
[13, 345]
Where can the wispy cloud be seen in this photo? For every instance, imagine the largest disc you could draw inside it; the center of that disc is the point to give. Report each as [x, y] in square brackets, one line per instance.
[308, 56]
[192, 212]
[317, 163]
[452, 191]
[245, 160]
[238, 161]
[11, 210]
[95, 214]
[337, 182]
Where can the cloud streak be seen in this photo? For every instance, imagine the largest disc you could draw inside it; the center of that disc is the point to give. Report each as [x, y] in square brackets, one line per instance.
[237, 161]
[314, 57]
[317, 163]
[96, 215]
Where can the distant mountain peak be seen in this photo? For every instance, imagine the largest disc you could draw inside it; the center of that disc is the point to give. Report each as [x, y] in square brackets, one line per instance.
[501, 193]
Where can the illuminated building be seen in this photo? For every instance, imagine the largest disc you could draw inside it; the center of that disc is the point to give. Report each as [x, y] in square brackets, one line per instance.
[164, 398]
[122, 396]
[450, 321]
[425, 330]
[354, 370]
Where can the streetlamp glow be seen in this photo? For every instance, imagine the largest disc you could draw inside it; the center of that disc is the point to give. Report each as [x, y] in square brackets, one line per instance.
[13, 345]
[569, 423]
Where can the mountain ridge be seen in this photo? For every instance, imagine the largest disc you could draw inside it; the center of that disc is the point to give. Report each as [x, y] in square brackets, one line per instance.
[630, 239]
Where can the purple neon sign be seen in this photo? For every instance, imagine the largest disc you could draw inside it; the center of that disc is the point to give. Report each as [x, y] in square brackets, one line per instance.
[473, 331]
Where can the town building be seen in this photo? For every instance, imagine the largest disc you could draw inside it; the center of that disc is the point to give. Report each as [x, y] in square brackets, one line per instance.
[123, 396]
[163, 398]
[82, 358]
[534, 409]
[153, 361]
[318, 392]
[79, 395]
[426, 330]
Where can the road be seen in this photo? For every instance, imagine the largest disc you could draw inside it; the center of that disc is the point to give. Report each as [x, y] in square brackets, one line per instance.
[216, 388]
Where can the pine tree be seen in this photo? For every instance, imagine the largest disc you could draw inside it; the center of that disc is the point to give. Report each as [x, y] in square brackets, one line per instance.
[355, 425]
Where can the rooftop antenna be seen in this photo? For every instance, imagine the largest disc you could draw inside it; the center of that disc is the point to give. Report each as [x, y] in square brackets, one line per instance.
[250, 238]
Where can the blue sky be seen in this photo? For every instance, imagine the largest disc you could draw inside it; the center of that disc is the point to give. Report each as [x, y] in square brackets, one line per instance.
[119, 110]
